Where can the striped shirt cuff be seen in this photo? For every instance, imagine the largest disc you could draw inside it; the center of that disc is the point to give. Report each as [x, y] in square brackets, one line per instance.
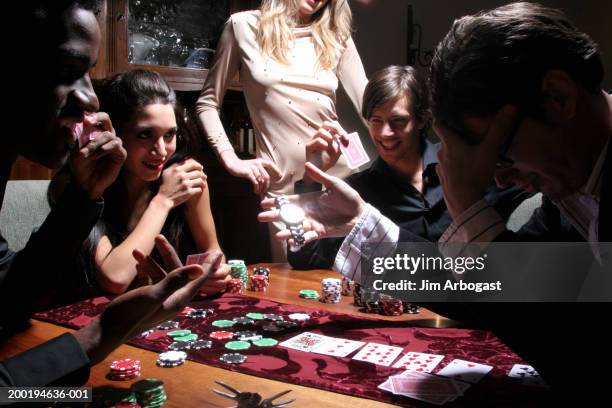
[479, 223]
[372, 227]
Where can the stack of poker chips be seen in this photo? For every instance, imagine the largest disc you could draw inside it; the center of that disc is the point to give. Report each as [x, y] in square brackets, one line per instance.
[331, 290]
[259, 283]
[238, 270]
[357, 295]
[150, 393]
[125, 369]
[171, 358]
[261, 270]
[411, 308]
[348, 286]
[370, 300]
[390, 306]
[233, 358]
[235, 285]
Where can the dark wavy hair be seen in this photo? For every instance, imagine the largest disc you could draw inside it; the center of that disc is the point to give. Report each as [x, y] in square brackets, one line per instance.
[394, 82]
[501, 56]
[122, 96]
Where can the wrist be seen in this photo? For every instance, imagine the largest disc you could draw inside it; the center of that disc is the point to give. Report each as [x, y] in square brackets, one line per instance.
[228, 157]
[89, 339]
[162, 202]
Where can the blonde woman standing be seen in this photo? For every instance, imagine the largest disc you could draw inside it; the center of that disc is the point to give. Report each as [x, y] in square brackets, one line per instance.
[290, 55]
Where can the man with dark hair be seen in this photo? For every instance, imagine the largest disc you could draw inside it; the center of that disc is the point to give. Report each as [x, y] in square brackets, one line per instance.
[402, 182]
[517, 95]
[49, 105]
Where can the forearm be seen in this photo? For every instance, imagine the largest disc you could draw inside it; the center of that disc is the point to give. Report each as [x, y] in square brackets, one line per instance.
[118, 269]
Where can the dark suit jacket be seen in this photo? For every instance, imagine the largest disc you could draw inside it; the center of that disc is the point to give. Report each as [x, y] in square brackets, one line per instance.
[32, 274]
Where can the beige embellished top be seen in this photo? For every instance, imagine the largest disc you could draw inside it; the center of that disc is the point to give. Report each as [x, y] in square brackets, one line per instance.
[287, 102]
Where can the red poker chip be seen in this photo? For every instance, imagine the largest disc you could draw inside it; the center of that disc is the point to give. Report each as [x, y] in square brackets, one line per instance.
[125, 364]
[186, 311]
[221, 335]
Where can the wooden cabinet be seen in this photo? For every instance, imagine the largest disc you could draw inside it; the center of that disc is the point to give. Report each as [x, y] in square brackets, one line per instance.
[174, 38]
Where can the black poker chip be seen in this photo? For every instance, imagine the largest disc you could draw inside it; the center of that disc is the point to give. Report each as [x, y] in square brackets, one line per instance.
[286, 324]
[170, 324]
[233, 358]
[272, 328]
[199, 313]
[200, 344]
[244, 320]
[179, 346]
[273, 317]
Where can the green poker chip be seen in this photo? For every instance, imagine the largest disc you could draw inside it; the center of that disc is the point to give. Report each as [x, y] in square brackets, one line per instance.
[255, 316]
[237, 345]
[189, 337]
[223, 323]
[265, 342]
[179, 333]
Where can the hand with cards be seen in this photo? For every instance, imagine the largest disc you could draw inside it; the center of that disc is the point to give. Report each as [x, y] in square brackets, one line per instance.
[96, 165]
[354, 152]
[218, 278]
[323, 150]
[331, 213]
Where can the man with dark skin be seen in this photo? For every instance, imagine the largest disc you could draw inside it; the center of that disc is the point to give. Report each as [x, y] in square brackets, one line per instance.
[58, 96]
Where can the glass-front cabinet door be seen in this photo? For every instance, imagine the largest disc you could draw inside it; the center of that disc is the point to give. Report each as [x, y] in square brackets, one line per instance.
[176, 38]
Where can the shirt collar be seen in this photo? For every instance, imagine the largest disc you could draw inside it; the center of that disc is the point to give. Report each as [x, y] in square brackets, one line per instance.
[430, 160]
[593, 185]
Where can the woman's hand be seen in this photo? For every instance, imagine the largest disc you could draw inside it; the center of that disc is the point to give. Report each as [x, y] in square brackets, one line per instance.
[181, 181]
[258, 171]
[217, 280]
[323, 150]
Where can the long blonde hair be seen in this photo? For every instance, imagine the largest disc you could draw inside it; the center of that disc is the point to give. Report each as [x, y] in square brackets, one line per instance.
[331, 28]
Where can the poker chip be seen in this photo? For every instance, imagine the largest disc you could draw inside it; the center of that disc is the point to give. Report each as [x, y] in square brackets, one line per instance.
[274, 317]
[168, 325]
[357, 295]
[178, 333]
[299, 316]
[255, 316]
[223, 323]
[309, 294]
[171, 358]
[221, 335]
[233, 358]
[186, 311]
[272, 328]
[150, 392]
[235, 285]
[331, 290]
[189, 337]
[110, 396]
[258, 283]
[260, 270]
[200, 344]
[243, 321]
[237, 345]
[199, 313]
[286, 324]
[265, 342]
[125, 369]
[348, 286]
[411, 308]
[247, 335]
[238, 270]
[390, 306]
[179, 346]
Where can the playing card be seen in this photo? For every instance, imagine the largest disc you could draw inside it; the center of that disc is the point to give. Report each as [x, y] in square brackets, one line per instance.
[430, 385]
[355, 153]
[380, 354]
[465, 370]
[421, 362]
[338, 347]
[195, 259]
[521, 371]
[304, 342]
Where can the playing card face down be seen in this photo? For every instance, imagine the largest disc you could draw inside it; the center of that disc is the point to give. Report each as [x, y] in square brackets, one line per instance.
[354, 153]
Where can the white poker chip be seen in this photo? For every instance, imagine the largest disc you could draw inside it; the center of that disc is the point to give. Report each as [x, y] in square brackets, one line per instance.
[172, 356]
[299, 316]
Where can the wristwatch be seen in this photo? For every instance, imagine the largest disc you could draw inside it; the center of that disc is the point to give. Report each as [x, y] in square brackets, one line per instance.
[293, 217]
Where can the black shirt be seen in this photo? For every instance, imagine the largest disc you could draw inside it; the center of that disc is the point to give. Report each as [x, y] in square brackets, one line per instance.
[423, 214]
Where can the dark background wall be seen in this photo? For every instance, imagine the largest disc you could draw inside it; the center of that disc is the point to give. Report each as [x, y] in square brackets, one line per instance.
[381, 34]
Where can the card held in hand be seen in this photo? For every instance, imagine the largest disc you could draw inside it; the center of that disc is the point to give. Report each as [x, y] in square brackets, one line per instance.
[354, 153]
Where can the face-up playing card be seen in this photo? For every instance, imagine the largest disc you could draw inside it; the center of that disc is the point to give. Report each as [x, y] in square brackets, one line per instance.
[304, 342]
[465, 370]
[380, 354]
[522, 371]
[421, 362]
[354, 153]
[338, 347]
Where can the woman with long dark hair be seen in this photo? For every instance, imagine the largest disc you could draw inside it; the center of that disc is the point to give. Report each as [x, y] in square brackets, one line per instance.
[161, 188]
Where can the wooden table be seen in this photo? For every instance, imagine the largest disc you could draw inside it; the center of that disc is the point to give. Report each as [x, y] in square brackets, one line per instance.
[190, 385]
